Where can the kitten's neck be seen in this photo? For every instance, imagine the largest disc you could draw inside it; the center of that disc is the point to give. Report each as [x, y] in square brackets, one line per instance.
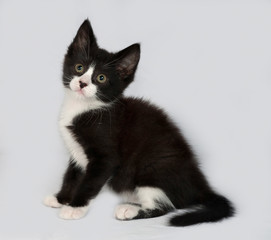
[74, 105]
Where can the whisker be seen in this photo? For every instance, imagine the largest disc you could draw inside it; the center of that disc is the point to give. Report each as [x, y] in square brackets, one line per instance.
[65, 77]
[114, 100]
[89, 120]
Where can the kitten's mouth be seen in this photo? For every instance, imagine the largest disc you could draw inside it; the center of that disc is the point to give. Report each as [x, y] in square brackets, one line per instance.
[81, 92]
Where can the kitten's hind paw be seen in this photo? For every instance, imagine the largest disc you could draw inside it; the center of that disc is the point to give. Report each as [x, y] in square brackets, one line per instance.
[72, 213]
[51, 201]
[126, 211]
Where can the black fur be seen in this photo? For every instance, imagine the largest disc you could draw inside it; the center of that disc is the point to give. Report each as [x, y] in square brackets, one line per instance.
[132, 143]
[213, 209]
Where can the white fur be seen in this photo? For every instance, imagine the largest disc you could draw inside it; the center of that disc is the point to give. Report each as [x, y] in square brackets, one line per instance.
[129, 197]
[87, 92]
[76, 103]
[126, 211]
[51, 201]
[146, 197]
[72, 213]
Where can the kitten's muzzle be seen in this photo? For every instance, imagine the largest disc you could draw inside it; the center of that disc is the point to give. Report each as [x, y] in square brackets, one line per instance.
[82, 84]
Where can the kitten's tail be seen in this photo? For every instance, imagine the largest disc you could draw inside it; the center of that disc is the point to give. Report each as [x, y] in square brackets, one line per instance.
[214, 209]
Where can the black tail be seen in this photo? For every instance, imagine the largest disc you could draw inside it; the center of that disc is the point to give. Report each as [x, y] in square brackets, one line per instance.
[215, 209]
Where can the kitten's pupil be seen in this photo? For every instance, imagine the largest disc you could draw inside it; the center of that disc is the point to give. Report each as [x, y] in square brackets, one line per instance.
[101, 77]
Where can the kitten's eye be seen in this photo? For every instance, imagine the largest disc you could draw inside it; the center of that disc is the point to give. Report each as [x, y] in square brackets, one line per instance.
[79, 68]
[101, 78]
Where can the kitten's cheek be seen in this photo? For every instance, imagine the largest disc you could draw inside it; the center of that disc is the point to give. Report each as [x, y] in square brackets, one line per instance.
[74, 87]
[90, 91]
[71, 86]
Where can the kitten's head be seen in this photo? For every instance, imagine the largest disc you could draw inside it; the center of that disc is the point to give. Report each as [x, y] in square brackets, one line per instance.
[92, 73]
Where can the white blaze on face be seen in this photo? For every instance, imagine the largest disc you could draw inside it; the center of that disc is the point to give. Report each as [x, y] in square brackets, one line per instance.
[88, 91]
[76, 102]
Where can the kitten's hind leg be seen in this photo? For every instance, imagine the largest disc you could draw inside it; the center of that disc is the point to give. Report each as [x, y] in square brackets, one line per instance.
[151, 202]
[127, 211]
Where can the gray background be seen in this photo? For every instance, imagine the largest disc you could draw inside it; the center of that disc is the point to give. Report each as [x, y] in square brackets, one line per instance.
[208, 63]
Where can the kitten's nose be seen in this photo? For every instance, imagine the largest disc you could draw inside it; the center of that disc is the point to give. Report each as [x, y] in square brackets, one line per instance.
[82, 84]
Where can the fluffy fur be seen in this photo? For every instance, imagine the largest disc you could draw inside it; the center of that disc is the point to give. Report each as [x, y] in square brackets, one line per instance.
[128, 143]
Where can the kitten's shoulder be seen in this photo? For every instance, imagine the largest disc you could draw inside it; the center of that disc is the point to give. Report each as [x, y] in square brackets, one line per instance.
[138, 101]
[141, 105]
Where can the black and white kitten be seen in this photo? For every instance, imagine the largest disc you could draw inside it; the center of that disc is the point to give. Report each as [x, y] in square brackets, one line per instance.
[126, 143]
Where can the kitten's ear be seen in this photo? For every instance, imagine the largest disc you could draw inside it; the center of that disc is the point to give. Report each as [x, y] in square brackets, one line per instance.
[127, 60]
[84, 38]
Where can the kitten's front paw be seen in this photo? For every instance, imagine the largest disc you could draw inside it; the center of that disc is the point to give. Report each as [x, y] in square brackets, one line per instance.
[68, 213]
[126, 211]
[51, 201]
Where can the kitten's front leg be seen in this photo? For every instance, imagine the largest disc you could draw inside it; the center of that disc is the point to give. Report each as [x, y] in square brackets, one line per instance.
[71, 180]
[97, 173]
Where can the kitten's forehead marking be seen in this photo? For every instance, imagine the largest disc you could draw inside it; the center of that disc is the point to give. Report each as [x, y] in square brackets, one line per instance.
[88, 74]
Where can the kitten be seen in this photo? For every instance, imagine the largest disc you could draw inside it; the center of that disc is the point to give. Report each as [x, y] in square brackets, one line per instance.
[126, 143]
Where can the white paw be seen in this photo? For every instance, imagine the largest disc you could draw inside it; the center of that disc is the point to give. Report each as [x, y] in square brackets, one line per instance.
[51, 201]
[67, 212]
[126, 211]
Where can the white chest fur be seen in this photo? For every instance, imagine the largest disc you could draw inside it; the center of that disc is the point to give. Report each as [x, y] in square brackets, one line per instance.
[72, 107]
